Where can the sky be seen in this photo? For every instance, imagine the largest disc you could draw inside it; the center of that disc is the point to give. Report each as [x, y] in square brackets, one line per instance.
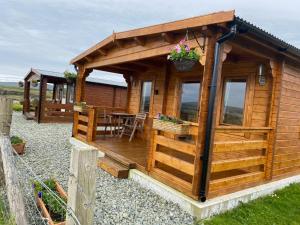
[47, 34]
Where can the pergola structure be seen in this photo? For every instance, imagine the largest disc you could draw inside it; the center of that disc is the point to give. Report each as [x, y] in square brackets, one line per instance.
[240, 134]
[56, 96]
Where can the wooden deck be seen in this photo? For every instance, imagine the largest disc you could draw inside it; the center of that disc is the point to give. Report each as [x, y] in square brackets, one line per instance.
[134, 152]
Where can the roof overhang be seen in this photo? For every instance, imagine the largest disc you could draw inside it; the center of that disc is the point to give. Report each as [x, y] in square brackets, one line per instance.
[199, 21]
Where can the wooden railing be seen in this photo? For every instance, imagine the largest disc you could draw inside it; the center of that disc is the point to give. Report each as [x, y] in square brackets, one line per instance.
[172, 160]
[87, 122]
[57, 112]
[240, 163]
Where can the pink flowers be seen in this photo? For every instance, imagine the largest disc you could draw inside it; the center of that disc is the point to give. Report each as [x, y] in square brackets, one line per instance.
[178, 48]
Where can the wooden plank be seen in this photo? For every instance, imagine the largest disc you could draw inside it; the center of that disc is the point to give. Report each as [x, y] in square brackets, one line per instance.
[239, 129]
[230, 164]
[229, 146]
[174, 144]
[83, 118]
[235, 180]
[113, 168]
[174, 162]
[82, 127]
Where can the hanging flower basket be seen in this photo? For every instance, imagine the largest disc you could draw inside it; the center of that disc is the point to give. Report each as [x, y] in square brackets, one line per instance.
[21, 84]
[70, 77]
[171, 125]
[184, 65]
[183, 57]
[34, 83]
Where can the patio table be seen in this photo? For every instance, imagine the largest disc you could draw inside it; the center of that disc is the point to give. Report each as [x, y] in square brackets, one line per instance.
[120, 116]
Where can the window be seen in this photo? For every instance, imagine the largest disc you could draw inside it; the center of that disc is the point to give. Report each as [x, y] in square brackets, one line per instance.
[145, 96]
[233, 101]
[189, 101]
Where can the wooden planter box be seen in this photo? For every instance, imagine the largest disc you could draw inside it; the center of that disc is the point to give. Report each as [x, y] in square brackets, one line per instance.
[19, 148]
[44, 209]
[181, 129]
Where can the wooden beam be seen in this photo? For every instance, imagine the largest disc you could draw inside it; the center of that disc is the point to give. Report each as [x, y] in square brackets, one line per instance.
[168, 37]
[140, 40]
[102, 52]
[230, 146]
[134, 56]
[80, 83]
[239, 163]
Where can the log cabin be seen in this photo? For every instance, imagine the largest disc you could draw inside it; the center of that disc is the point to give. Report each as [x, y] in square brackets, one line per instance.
[56, 95]
[241, 104]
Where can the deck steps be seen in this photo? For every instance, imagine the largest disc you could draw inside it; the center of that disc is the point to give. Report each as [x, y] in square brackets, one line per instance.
[120, 159]
[113, 167]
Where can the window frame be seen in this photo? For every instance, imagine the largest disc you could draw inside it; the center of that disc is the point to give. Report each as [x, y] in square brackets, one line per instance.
[151, 95]
[245, 111]
[180, 92]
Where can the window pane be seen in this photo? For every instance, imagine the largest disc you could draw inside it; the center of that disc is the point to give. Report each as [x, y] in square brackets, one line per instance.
[189, 101]
[145, 96]
[234, 101]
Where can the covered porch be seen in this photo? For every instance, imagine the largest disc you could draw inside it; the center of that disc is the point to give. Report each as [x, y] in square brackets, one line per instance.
[235, 153]
[55, 99]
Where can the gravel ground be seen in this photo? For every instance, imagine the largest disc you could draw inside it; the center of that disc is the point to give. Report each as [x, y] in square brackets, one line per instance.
[117, 201]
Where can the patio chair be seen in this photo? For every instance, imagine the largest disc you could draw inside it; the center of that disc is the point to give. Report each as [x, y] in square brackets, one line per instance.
[131, 126]
[105, 120]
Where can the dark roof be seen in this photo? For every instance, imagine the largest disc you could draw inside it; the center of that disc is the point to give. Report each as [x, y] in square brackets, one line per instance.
[281, 44]
[40, 72]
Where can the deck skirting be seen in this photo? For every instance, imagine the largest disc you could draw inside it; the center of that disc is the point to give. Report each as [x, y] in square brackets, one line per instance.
[213, 206]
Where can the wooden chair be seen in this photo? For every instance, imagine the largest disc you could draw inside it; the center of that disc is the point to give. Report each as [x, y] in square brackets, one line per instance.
[105, 120]
[131, 126]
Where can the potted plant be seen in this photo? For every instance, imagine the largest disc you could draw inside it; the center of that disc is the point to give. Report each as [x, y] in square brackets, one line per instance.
[51, 208]
[70, 77]
[183, 57]
[34, 83]
[171, 124]
[18, 144]
[80, 107]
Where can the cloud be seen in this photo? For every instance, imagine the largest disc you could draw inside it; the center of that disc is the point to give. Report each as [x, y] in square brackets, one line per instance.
[47, 34]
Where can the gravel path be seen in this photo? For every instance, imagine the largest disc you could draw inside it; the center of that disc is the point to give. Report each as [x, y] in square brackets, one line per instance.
[117, 201]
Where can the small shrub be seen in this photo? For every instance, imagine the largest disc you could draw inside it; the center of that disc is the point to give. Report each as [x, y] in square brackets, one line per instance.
[17, 107]
[16, 140]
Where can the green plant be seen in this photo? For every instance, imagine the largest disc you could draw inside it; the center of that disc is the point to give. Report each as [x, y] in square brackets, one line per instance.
[58, 213]
[183, 51]
[14, 140]
[70, 76]
[17, 106]
[169, 119]
[5, 217]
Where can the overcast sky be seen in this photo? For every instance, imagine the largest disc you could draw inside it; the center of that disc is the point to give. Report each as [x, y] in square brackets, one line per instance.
[47, 34]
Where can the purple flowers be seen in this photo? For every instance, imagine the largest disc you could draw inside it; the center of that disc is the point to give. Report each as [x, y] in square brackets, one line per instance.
[40, 194]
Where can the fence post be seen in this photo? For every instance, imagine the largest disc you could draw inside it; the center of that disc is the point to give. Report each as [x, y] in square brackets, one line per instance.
[13, 190]
[82, 185]
[5, 115]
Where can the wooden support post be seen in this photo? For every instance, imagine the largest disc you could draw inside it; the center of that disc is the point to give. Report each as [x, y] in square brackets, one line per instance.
[203, 105]
[277, 70]
[92, 124]
[26, 103]
[152, 150]
[80, 83]
[13, 190]
[43, 97]
[75, 124]
[82, 185]
[5, 115]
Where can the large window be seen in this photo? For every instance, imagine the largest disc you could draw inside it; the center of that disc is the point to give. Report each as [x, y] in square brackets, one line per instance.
[233, 101]
[189, 101]
[146, 96]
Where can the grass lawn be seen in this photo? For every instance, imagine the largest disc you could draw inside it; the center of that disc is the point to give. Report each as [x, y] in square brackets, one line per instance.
[281, 208]
[5, 219]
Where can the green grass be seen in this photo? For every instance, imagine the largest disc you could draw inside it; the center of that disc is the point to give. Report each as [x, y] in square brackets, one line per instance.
[5, 218]
[17, 107]
[280, 208]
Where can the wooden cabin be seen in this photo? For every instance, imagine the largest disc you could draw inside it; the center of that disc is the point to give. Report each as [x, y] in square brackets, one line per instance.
[56, 95]
[241, 101]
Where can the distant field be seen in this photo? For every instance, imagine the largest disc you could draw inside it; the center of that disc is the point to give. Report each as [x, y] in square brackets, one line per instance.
[16, 93]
